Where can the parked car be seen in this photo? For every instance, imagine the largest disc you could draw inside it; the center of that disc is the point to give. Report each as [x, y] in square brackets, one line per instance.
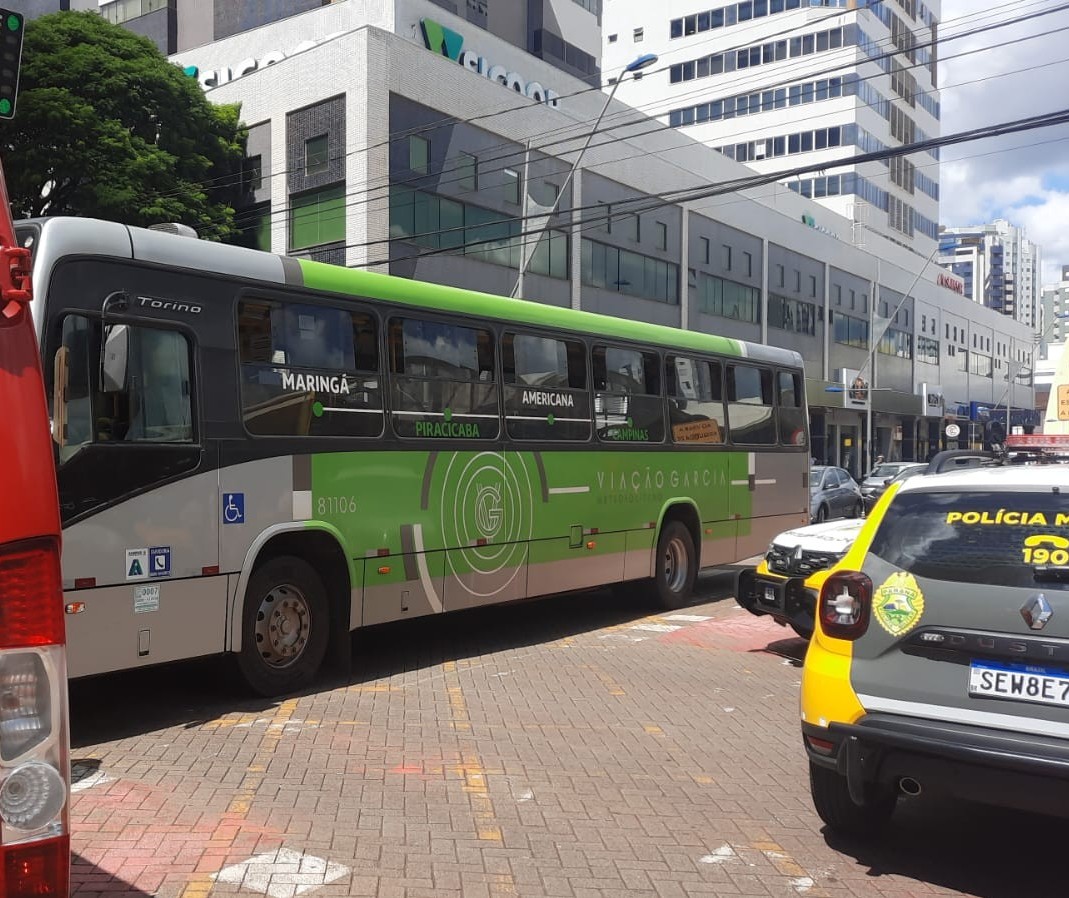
[833, 493]
[779, 586]
[872, 487]
[940, 658]
[786, 583]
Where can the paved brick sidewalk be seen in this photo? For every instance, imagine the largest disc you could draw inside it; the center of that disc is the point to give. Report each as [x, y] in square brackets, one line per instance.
[572, 747]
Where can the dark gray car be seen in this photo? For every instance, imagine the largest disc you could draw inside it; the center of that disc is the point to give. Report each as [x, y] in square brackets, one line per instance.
[873, 486]
[833, 493]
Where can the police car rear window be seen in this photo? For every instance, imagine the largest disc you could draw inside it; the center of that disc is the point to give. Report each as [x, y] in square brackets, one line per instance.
[1004, 539]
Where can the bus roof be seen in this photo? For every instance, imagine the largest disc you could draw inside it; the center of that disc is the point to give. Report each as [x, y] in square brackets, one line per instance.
[61, 237]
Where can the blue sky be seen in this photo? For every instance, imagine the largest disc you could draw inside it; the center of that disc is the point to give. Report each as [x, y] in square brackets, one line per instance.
[1022, 177]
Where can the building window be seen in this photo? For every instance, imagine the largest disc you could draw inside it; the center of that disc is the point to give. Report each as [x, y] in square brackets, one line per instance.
[419, 154]
[728, 299]
[606, 208]
[317, 217]
[315, 155]
[813, 286]
[467, 169]
[510, 186]
[628, 272]
[851, 331]
[792, 315]
[253, 173]
[612, 38]
[747, 264]
[727, 257]
[638, 35]
[660, 232]
[704, 243]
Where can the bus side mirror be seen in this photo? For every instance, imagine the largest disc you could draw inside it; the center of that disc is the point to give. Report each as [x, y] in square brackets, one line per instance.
[60, 379]
[114, 358]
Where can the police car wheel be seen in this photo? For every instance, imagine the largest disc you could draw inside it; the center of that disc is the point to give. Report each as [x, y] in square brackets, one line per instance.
[831, 798]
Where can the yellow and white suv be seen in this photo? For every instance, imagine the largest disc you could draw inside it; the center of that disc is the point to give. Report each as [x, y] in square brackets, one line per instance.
[940, 659]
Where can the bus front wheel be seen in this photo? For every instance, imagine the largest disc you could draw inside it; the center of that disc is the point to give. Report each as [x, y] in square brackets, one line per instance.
[285, 620]
[676, 565]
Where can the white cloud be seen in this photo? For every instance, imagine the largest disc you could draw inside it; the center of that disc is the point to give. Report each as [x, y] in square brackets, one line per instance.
[1022, 177]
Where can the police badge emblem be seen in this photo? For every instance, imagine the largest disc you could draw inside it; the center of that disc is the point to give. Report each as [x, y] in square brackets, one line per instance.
[898, 604]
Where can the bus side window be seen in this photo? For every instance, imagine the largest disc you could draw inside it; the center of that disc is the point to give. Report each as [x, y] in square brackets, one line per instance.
[695, 401]
[75, 421]
[751, 409]
[545, 388]
[628, 404]
[791, 408]
[309, 370]
[123, 384]
[442, 380]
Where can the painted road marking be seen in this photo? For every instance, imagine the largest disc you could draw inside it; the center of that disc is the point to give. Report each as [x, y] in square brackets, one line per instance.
[719, 856]
[689, 618]
[657, 628]
[797, 878]
[281, 874]
[94, 779]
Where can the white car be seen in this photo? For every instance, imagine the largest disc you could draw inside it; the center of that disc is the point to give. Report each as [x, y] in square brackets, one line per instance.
[804, 550]
[777, 587]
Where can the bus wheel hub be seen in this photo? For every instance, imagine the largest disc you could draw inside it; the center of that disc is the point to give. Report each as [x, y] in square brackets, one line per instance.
[282, 625]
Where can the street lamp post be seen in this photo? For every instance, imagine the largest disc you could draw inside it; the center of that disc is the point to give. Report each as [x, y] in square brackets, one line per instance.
[874, 343]
[642, 62]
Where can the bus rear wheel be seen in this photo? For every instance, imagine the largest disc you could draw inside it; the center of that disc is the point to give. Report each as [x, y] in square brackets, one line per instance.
[676, 565]
[285, 619]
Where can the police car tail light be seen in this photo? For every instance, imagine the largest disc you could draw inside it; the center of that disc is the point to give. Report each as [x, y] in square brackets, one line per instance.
[34, 747]
[845, 604]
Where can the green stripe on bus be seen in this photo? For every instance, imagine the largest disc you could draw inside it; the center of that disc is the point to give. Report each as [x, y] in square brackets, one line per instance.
[462, 499]
[353, 282]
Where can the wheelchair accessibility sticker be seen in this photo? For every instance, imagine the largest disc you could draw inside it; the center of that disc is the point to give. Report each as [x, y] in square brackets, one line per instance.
[233, 508]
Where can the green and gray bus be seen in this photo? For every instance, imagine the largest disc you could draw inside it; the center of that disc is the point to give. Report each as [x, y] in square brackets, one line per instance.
[258, 454]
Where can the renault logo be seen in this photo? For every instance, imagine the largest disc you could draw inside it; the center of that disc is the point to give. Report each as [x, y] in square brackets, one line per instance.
[1037, 611]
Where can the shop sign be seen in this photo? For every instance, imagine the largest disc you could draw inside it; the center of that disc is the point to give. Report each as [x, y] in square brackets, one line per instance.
[855, 389]
[951, 282]
[811, 222]
[932, 395]
[210, 78]
[449, 43]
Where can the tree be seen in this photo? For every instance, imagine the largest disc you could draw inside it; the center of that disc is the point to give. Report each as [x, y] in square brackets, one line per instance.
[106, 127]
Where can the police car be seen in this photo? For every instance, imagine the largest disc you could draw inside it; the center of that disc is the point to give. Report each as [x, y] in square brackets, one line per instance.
[940, 660]
[778, 586]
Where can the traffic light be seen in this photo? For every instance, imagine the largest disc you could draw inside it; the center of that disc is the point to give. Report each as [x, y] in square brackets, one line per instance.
[12, 27]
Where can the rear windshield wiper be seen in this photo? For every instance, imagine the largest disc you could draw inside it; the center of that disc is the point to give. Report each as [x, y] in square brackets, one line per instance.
[1056, 572]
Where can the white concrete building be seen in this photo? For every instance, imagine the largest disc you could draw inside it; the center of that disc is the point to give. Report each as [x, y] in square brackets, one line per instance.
[394, 135]
[783, 84]
[1000, 266]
